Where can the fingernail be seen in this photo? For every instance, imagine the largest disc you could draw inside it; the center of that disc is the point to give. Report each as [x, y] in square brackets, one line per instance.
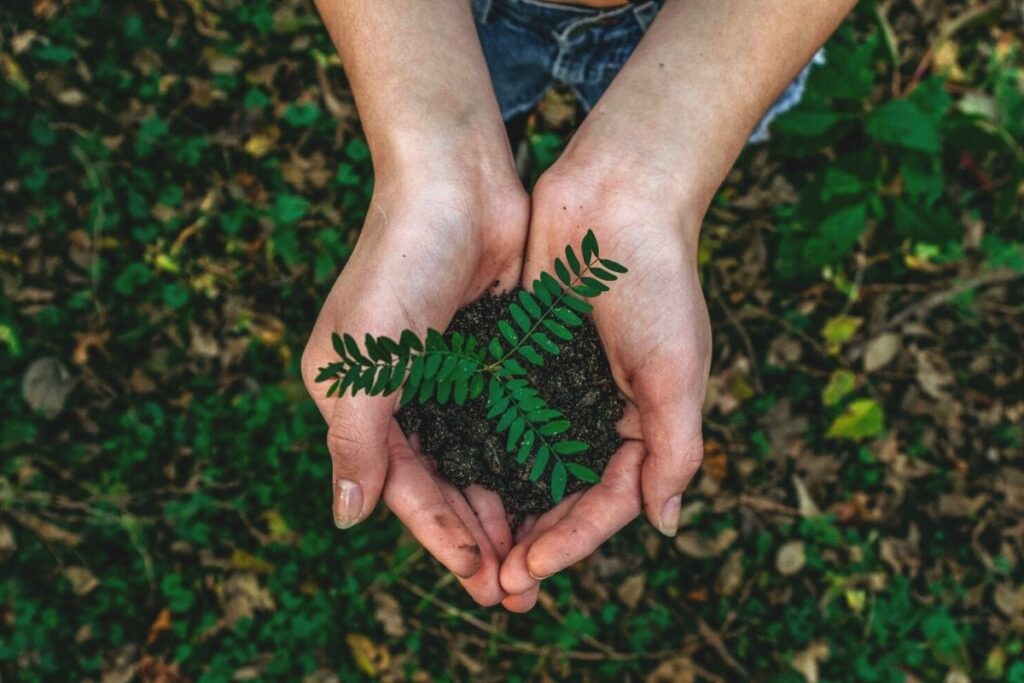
[670, 516]
[348, 506]
[539, 578]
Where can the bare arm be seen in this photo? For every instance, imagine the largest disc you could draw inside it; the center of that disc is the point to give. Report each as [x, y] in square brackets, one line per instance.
[641, 171]
[446, 201]
[698, 83]
[419, 78]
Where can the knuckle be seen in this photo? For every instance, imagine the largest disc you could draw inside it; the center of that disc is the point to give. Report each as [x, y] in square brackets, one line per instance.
[345, 438]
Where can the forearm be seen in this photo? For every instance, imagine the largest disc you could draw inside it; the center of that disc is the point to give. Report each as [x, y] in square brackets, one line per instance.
[419, 79]
[692, 92]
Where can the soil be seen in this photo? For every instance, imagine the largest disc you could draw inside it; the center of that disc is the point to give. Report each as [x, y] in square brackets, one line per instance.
[578, 382]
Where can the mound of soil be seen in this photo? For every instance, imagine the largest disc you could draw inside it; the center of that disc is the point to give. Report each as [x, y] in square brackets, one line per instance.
[578, 382]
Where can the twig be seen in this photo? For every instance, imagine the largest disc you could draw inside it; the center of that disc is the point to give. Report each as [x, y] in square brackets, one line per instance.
[744, 337]
[717, 643]
[929, 303]
[947, 31]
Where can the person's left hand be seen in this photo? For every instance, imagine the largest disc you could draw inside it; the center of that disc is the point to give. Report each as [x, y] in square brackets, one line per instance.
[654, 326]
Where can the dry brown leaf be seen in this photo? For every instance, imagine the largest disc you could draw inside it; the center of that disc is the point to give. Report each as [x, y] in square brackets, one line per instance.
[46, 386]
[808, 508]
[881, 350]
[693, 543]
[241, 596]
[933, 374]
[631, 590]
[121, 667]
[806, 661]
[389, 614]
[45, 530]
[730, 576]
[7, 543]
[160, 624]
[1009, 599]
[675, 670]
[81, 579]
[85, 342]
[322, 676]
[791, 558]
[153, 670]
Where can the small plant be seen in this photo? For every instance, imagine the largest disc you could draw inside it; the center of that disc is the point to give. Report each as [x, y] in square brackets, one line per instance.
[462, 368]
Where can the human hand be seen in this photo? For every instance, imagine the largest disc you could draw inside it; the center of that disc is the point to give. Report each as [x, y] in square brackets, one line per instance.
[437, 236]
[654, 326]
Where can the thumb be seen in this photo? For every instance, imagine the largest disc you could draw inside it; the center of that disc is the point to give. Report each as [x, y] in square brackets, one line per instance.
[357, 440]
[675, 448]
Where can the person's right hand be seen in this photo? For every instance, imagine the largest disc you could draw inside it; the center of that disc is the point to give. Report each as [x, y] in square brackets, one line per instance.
[439, 233]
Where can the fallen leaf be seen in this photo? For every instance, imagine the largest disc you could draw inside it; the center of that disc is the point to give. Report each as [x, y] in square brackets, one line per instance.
[241, 596]
[249, 562]
[861, 420]
[806, 504]
[675, 670]
[153, 670]
[160, 624]
[716, 461]
[72, 97]
[631, 590]
[694, 544]
[85, 342]
[1009, 599]
[791, 558]
[46, 386]
[389, 614]
[45, 530]
[839, 330]
[121, 667]
[807, 660]
[81, 579]
[855, 598]
[840, 384]
[7, 543]
[261, 143]
[730, 576]
[933, 374]
[372, 659]
[881, 350]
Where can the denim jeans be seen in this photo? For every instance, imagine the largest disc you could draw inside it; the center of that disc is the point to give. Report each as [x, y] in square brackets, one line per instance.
[532, 44]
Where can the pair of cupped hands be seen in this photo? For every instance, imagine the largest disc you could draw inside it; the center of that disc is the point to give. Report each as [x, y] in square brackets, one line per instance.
[441, 232]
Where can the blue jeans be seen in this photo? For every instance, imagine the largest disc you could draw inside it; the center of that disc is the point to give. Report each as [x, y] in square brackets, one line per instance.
[532, 44]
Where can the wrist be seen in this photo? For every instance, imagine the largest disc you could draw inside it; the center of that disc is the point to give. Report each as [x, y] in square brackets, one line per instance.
[603, 184]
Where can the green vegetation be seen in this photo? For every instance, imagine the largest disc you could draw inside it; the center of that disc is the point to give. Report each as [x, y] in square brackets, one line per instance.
[434, 368]
[180, 183]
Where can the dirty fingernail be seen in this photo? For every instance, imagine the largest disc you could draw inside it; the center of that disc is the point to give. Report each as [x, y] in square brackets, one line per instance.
[348, 505]
[669, 522]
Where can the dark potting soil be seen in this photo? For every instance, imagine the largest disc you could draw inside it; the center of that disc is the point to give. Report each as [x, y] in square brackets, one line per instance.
[578, 382]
